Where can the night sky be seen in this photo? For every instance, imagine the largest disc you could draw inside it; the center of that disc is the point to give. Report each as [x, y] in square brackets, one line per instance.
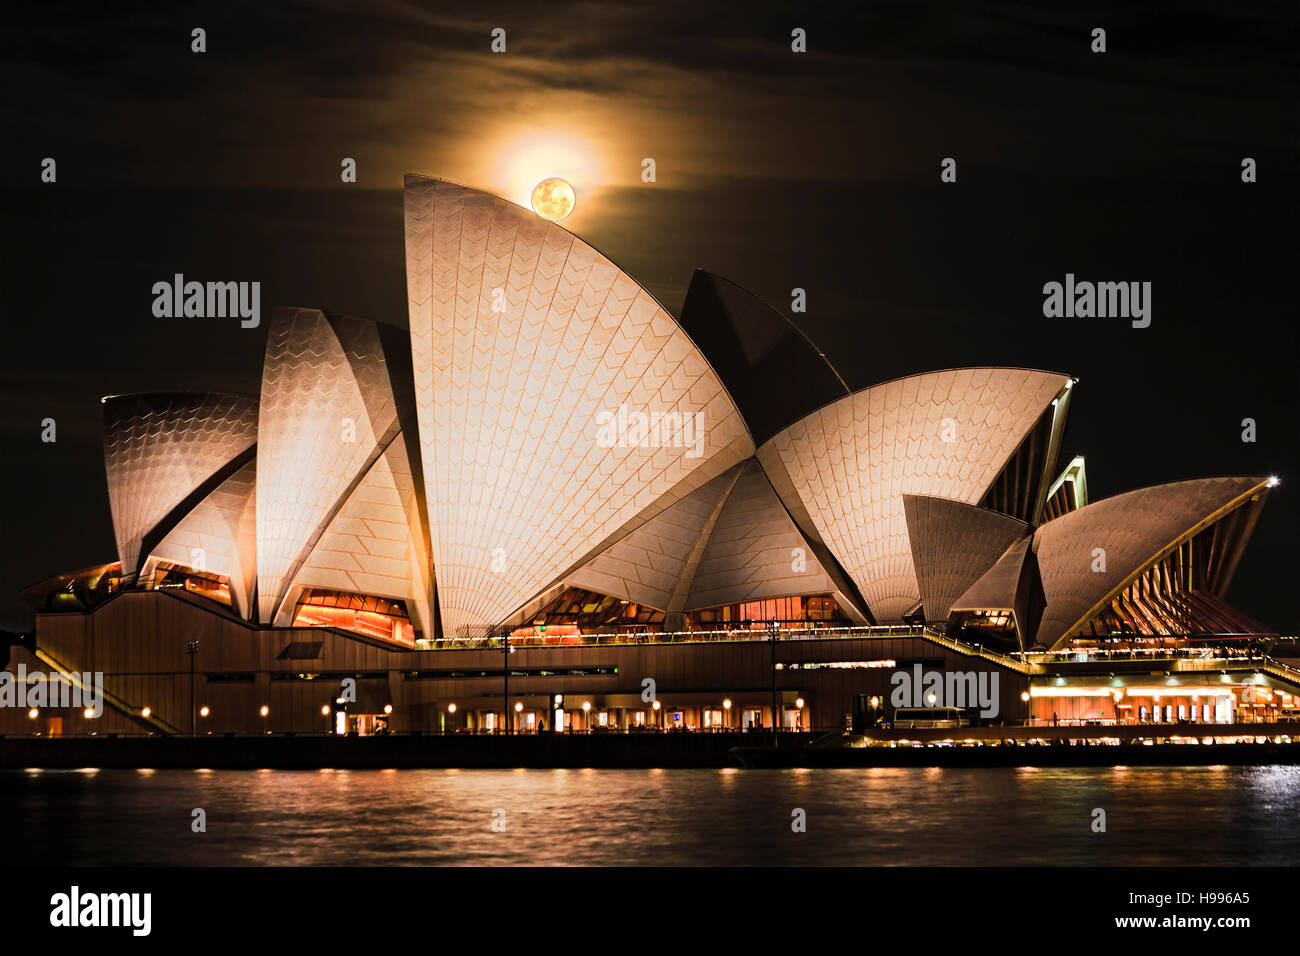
[778, 170]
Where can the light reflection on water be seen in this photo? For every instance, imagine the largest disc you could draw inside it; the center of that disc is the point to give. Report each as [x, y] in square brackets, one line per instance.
[883, 816]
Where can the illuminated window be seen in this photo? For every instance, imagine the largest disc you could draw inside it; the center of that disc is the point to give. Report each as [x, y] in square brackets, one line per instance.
[790, 612]
[214, 587]
[382, 618]
[578, 611]
[78, 591]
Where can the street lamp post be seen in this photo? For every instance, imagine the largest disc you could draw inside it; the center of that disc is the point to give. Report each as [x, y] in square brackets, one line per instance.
[776, 717]
[192, 648]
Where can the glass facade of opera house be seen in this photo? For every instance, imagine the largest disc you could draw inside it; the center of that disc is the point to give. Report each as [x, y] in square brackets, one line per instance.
[640, 522]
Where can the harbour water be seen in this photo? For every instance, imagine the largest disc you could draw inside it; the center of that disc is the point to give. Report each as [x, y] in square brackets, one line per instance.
[897, 816]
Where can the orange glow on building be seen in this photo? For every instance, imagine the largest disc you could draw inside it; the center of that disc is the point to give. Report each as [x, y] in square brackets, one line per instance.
[374, 617]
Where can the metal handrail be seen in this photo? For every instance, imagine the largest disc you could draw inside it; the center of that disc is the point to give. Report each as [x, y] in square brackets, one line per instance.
[676, 637]
[114, 701]
[1138, 654]
[961, 647]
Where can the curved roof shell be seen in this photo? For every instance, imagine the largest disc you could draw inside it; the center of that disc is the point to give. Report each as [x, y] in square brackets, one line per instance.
[730, 542]
[327, 415]
[373, 544]
[527, 345]
[953, 544]
[941, 434]
[1087, 556]
[555, 426]
[219, 537]
[163, 453]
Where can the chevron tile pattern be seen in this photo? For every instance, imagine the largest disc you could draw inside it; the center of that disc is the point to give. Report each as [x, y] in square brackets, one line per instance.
[748, 553]
[526, 345]
[326, 401]
[755, 551]
[373, 545]
[521, 336]
[647, 566]
[942, 434]
[1131, 529]
[998, 588]
[953, 544]
[219, 536]
[159, 448]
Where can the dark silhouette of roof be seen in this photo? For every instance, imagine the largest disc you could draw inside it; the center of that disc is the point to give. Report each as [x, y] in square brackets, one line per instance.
[774, 372]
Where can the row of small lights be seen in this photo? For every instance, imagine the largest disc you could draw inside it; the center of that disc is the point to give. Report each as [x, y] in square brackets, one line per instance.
[326, 710]
[875, 701]
[146, 712]
[586, 706]
[451, 708]
[388, 708]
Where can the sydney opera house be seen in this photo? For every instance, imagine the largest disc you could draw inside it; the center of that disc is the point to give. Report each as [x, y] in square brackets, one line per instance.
[552, 506]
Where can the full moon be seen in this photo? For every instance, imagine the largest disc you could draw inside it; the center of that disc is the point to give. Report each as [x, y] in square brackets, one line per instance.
[553, 199]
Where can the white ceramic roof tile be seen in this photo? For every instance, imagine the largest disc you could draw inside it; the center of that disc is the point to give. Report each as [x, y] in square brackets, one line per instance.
[1131, 530]
[374, 544]
[158, 449]
[219, 536]
[852, 462]
[755, 551]
[647, 565]
[326, 402]
[519, 488]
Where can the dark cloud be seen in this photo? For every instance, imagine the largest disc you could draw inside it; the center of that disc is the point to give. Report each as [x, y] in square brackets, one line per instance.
[818, 171]
[1010, 86]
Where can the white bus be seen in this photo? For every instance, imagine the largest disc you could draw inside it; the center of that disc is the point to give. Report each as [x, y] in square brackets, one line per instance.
[923, 718]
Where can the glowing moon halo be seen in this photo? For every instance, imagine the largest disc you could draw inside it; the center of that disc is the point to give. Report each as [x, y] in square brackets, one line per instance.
[553, 199]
